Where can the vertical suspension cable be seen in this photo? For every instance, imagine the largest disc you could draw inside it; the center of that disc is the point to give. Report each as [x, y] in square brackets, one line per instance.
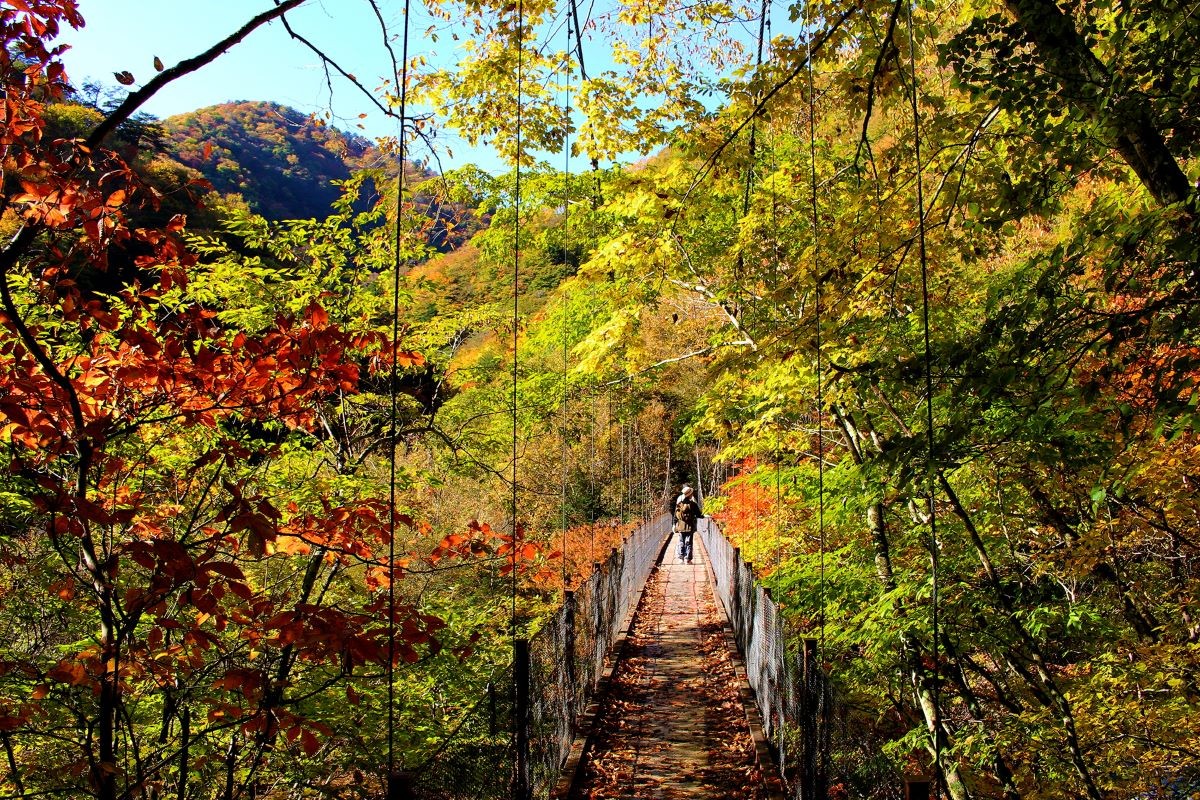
[592, 480]
[518, 711]
[606, 439]
[819, 298]
[562, 458]
[393, 425]
[751, 150]
[753, 141]
[516, 274]
[774, 289]
[778, 511]
[822, 710]
[562, 426]
[757, 516]
[626, 465]
[935, 600]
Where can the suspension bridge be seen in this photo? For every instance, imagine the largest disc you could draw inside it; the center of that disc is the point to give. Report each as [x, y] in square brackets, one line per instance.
[655, 678]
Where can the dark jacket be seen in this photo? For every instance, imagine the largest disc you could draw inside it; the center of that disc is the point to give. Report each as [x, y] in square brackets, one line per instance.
[690, 513]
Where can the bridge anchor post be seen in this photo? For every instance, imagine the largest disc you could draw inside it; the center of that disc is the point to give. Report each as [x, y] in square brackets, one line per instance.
[521, 719]
[811, 772]
[916, 788]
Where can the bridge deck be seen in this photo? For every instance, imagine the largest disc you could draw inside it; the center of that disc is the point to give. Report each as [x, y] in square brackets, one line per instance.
[673, 725]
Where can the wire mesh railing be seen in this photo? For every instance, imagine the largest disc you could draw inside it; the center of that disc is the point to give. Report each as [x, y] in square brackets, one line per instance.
[567, 656]
[563, 663]
[790, 686]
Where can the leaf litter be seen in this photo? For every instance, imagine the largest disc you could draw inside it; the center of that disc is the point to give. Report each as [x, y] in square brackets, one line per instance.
[672, 725]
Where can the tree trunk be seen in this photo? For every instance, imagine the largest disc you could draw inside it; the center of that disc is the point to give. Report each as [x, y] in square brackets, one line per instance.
[1090, 86]
[1058, 700]
[1004, 775]
[13, 772]
[185, 734]
[922, 683]
[104, 771]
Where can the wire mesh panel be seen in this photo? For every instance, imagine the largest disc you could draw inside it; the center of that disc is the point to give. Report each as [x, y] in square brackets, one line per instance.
[553, 699]
[767, 662]
[567, 656]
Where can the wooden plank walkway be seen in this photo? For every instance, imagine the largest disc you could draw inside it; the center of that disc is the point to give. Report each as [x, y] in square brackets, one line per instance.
[672, 725]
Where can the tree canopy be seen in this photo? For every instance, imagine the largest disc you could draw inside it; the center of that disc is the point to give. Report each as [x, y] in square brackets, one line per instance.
[909, 291]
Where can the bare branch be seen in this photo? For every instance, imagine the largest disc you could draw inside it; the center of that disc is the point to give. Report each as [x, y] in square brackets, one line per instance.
[136, 99]
[330, 63]
[677, 359]
[819, 42]
[886, 50]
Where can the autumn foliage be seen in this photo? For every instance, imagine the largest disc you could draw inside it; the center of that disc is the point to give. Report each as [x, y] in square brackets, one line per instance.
[932, 305]
[185, 585]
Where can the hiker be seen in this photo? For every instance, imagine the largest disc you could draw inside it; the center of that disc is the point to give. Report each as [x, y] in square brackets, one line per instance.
[687, 511]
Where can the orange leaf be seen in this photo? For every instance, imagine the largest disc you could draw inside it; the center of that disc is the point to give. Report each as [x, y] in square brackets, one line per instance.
[71, 673]
[408, 358]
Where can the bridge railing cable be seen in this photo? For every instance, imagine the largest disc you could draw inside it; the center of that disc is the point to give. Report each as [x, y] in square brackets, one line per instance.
[566, 660]
[790, 686]
[567, 655]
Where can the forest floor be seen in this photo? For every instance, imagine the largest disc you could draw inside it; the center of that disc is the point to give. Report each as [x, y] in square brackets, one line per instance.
[672, 725]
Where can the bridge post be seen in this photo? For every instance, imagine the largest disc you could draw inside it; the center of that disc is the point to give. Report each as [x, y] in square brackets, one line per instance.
[400, 786]
[596, 666]
[812, 773]
[569, 639]
[735, 590]
[521, 669]
[493, 727]
[916, 789]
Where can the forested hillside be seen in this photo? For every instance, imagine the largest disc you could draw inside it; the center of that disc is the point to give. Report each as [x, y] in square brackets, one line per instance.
[913, 304]
[282, 162]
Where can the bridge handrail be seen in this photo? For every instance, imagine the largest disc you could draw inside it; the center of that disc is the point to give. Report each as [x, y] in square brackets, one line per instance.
[567, 656]
[790, 688]
[566, 660]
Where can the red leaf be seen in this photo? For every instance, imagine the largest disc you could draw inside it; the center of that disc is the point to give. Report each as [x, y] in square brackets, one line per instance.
[309, 742]
[124, 77]
[204, 602]
[317, 316]
[226, 568]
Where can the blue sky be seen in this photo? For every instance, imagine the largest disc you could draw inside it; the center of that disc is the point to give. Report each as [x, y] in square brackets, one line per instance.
[268, 65]
[127, 35]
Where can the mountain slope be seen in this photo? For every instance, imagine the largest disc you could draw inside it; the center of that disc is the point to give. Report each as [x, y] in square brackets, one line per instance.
[281, 161]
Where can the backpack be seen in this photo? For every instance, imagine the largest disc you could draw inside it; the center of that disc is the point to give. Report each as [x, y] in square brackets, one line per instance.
[685, 517]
